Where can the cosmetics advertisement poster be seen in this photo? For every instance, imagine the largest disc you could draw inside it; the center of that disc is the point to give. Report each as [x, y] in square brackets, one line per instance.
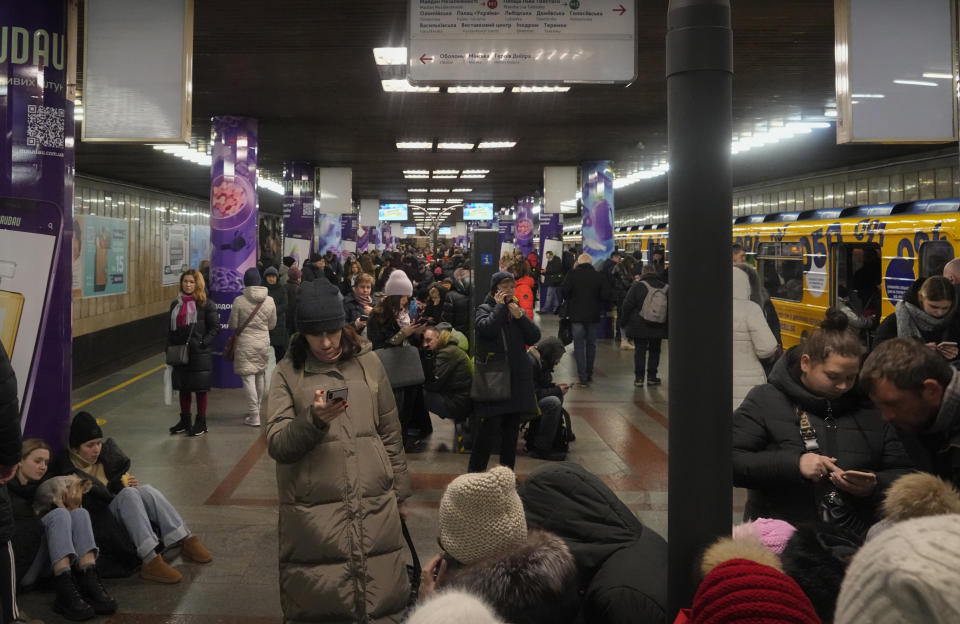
[176, 252]
[104, 256]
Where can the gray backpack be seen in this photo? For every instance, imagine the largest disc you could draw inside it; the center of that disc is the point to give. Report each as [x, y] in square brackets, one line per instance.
[654, 308]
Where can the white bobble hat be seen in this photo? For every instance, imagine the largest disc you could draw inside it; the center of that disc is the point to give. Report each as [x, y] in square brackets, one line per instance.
[398, 284]
[481, 515]
[453, 606]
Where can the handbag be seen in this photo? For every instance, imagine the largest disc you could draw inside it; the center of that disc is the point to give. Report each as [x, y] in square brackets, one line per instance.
[402, 364]
[413, 571]
[491, 378]
[565, 331]
[179, 355]
[230, 348]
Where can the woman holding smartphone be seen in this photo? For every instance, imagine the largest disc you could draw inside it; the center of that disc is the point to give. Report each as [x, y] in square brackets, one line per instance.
[341, 471]
[808, 437]
[926, 313]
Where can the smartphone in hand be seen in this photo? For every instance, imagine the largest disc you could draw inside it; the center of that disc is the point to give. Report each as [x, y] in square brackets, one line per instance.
[338, 393]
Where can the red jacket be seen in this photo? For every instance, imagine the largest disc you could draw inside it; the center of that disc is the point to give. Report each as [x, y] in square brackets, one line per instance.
[524, 293]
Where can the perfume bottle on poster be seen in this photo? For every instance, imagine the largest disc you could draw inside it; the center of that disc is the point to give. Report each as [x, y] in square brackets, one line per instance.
[11, 308]
[100, 263]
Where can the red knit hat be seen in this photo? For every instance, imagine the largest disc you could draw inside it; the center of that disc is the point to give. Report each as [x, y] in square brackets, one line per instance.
[746, 592]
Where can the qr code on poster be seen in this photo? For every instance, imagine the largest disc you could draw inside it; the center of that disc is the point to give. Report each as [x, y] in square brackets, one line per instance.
[44, 126]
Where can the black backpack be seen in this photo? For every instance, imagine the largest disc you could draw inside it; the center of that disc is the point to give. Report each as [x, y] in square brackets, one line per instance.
[561, 439]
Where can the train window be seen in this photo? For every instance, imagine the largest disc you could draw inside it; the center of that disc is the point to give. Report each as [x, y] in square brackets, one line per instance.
[857, 283]
[933, 255]
[781, 270]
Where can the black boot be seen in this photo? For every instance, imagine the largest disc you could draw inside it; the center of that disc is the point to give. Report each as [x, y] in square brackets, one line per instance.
[199, 426]
[181, 427]
[92, 590]
[69, 603]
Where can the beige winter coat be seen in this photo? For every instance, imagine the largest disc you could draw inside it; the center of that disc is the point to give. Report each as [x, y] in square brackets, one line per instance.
[342, 554]
[253, 345]
[752, 339]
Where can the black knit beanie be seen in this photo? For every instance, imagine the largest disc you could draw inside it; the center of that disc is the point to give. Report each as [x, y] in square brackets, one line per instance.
[252, 277]
[83, 429]
[319, 308]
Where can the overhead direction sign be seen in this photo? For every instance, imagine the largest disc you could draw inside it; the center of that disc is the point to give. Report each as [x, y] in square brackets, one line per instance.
[475, 41]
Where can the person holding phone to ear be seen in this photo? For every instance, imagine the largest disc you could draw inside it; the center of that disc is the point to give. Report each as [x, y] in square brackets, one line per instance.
[341, 471]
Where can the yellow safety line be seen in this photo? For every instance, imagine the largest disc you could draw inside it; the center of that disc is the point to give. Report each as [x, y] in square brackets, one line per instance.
[117, 387]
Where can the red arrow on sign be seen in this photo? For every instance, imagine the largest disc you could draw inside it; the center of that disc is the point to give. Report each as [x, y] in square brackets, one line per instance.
[621, 10]
[424, 58]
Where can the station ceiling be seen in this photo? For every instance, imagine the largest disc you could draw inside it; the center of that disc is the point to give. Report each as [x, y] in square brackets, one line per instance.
[305, 69]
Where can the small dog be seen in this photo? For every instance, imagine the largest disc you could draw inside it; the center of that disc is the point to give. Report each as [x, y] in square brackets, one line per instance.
[66, 491]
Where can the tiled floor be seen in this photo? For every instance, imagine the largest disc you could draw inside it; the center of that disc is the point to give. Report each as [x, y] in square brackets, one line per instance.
[224, 484]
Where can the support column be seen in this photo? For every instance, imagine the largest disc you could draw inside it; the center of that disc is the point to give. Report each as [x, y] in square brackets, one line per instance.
[36, 209]
[233, 224]
[298, 208]
[699, 87]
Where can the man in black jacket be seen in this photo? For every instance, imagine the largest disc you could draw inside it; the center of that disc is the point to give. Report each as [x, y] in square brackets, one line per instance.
[9, 457]
[918, 391]
[456, 306]
[552, 279]
[314, 268]
[647, 334]
[587, 293]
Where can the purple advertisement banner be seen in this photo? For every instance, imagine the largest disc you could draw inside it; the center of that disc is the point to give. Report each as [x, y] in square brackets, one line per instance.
[233, 224]
[524, 225]
[36, 229]
[298, 184]
[387, 241]
[349, 223]
[328, 233]
[551, 239]
[597, 194]
[363, 238]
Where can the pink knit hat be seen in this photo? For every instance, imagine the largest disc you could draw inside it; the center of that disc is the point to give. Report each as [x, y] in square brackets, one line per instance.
[398, 284]
[773, 534]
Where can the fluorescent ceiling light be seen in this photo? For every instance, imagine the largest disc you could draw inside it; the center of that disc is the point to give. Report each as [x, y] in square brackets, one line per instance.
[443, 176]
[477, 89]
[473, 176]
[869, 96]
[445, 171]
[455, 200]
[918, 83]
[414, 144]
[454, 145]
[415, 171]
[439, 190]
[546, 89]
[936, 75]
[435, 200]
[270, 185]
[418, 200]
[416, 176]
[390, 56]
[496, 144]
[402, 86]
[829, 112]
[471, 171]
[462, 190]
[416, 190]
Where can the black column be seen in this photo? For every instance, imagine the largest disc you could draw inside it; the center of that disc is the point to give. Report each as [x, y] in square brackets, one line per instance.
[699, 86]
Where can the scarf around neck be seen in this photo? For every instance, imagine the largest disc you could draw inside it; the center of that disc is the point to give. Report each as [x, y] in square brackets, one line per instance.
[403, 317]
[912, 321]
[184, 313]
[367, 301]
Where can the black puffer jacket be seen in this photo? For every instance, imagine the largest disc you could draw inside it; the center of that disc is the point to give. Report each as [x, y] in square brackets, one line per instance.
[195, 375]
[118, 555]
[635, 326]
[619, 561]
[278, 335]
[496, 329]
[587, 293]
[9, 437]
[449, 372]
[767, 446]
[28, 530]
[950, 332]
[456, 307]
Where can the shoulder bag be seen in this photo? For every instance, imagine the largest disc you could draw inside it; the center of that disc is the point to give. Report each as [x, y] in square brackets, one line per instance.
[179, 355]
[402, 364]
[491, 378]
[230, 348]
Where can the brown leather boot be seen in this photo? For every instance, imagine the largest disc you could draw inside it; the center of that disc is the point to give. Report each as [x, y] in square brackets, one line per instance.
[195, 551]
[159, 571]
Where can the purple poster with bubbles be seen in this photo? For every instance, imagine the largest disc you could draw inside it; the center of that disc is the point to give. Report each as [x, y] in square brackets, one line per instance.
[523, 225]
[363, 238]
[36, 207]
[233, 224]
[328, 233]
[297, 210]
[387, 241]
[597, 194]
[349, 223]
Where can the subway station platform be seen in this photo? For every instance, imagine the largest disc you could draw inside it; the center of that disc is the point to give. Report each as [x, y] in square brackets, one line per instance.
[224, 485]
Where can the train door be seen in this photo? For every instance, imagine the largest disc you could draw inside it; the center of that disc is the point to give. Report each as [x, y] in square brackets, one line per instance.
[856, 288]
[933, 256]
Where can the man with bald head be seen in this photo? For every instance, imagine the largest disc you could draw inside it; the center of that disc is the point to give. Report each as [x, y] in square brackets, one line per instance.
[586, 293]
[951, 271]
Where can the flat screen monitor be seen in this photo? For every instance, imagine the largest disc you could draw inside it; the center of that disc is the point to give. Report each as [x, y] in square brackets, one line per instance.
[444, 230]
[393, 212]
[478, 212]
[409, 230]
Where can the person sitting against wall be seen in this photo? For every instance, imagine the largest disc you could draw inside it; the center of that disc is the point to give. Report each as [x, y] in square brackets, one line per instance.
[55, 540]
[926, 313]
[138, 508]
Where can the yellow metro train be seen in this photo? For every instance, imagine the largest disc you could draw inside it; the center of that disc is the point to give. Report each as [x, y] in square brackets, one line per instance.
[864, 257]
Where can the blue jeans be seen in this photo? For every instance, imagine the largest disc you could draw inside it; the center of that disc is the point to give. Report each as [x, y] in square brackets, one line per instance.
[550, 416]
[65, 534]
[141, 507]
[552, 301]
[642, 363]
[584, 348]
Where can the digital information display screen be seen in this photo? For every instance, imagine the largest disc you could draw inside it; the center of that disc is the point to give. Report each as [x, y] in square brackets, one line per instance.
[409, 230]
[444, 230]
[478, 212]
[393, 212]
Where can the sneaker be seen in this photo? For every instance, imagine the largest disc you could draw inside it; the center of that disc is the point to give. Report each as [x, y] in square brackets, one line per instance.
[195, 551]
[251, 421]
[653, 381]
[583, 383]
[626, 346]
[638, 382]
[159, 571]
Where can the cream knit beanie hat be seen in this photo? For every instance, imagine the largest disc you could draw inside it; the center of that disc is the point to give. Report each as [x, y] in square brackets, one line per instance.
[481, 515]
[908, 573]
[453, 606]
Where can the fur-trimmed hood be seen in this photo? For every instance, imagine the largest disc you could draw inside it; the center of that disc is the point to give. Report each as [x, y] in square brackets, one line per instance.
[920, 494]
[536, 582]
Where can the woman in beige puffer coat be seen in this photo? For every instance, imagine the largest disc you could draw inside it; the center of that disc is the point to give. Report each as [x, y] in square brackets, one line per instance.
[752, 339]
[341, 472]
[252, 349]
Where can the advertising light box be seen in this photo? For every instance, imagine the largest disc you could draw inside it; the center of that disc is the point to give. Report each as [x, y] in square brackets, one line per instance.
[409, 230]
[445, 231]
[478, 212]
[393, 212]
